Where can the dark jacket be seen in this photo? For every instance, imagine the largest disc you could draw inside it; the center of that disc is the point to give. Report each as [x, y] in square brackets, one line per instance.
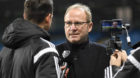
[27, 53]
[86, 60]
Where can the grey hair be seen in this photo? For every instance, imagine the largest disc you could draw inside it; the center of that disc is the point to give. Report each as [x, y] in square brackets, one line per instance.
[82, 6]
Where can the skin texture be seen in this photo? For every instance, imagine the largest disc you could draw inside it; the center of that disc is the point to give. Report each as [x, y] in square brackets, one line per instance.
[118, 57]
[77, 34]
[46, 24]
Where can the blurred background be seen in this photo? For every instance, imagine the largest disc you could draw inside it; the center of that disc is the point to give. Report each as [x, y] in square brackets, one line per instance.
[128, 10]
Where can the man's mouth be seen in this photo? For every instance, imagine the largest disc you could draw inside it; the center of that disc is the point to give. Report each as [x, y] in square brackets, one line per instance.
[73, 35]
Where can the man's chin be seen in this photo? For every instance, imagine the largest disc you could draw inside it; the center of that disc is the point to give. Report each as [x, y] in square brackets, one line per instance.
[74, 41]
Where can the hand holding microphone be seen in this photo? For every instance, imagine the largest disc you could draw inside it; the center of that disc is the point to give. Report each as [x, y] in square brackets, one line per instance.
[64, 68]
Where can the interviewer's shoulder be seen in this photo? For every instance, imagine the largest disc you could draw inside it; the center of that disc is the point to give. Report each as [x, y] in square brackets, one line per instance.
[61, 47]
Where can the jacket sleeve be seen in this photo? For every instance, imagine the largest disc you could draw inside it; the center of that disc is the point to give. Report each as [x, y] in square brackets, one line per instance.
[134, 57]
[127, 71]
[47, 64]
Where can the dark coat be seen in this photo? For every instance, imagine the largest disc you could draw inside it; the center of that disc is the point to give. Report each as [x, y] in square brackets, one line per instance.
[27, 53]
[86, 60]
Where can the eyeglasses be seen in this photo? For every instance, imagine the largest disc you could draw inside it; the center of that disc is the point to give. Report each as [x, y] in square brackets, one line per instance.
[77, 24]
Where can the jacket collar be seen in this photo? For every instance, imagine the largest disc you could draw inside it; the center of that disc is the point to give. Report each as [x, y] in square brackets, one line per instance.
[77, 46]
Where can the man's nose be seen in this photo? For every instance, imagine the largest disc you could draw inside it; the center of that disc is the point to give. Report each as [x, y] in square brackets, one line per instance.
[73, 27]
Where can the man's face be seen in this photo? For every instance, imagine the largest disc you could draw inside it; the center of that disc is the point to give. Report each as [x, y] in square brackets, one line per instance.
[76, 26]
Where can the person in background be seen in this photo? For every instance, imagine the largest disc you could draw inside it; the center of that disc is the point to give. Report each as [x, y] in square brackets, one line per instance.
[27, 51]
[86, 59]
[131, 66]
[117, 61]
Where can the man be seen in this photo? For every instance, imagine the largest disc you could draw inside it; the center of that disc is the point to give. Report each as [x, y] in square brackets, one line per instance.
[27, 53]
[86, 60]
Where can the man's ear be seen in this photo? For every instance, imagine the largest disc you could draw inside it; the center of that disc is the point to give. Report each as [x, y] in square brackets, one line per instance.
[90, 26]
[48, 19]
[24, 15]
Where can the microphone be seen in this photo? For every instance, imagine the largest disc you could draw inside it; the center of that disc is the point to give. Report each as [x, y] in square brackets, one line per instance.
[65, 54]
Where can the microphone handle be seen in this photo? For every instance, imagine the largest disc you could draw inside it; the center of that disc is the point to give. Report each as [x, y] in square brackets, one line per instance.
[63, 72]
